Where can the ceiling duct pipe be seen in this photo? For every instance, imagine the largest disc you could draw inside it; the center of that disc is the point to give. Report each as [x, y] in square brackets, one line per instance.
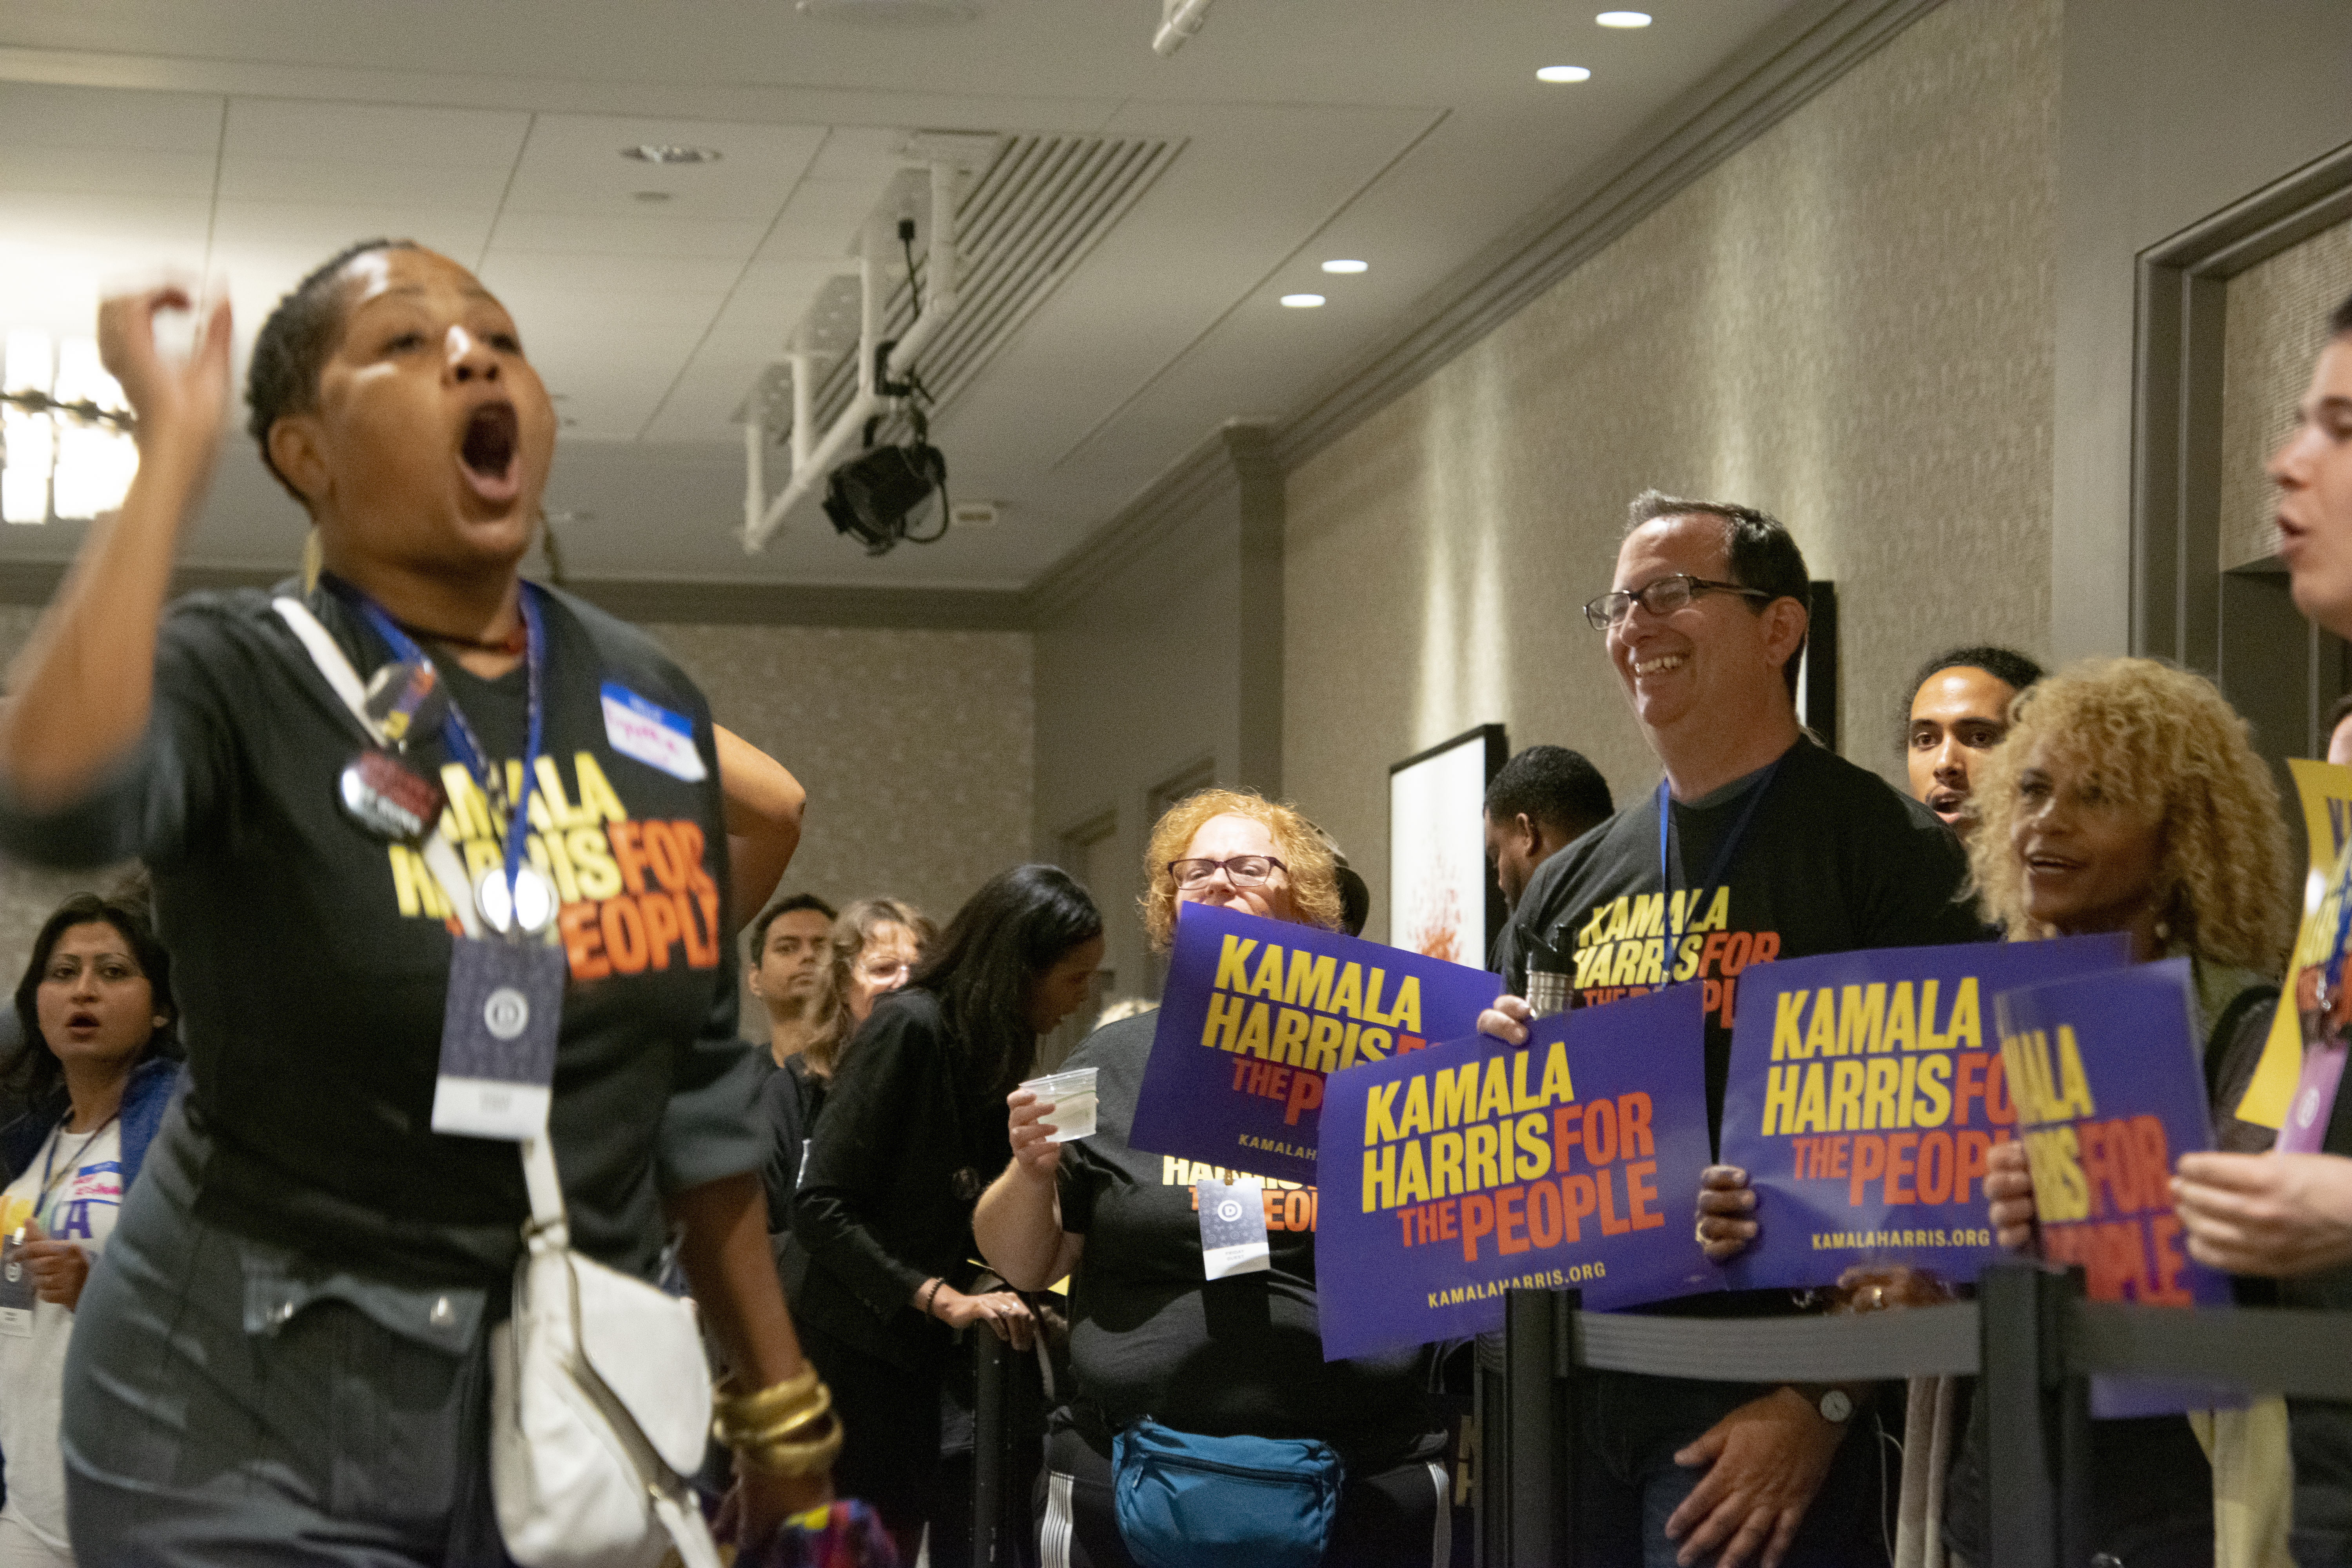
[811, 462]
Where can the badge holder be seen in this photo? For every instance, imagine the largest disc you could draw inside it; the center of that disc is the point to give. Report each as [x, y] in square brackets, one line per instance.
[1233, 1227]
[16, 1287]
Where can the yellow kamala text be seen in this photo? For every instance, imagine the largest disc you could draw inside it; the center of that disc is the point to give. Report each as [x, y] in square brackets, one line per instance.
[1307, 1010]
[2051, 1092]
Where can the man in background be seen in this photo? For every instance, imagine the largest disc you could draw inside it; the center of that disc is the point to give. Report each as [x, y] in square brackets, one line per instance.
[1545, 799]
[790, 943]
[1960, 711]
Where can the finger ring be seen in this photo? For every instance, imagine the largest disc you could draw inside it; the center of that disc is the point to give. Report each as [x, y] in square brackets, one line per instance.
[1699, 1232]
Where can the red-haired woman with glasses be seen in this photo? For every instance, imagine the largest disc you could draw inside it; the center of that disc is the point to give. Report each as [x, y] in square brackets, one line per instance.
[1151, 1334]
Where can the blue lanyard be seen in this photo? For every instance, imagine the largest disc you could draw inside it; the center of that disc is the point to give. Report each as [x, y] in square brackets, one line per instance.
[1723, 852]
[456, 734]
[48, 1220]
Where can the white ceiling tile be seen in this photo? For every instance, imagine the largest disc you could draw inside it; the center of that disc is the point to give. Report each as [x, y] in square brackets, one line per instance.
[326, 229]
[573, 164]
[588, 313]
[35, 114]
[334, 181]
[372, 135]
[505, 270]
[636, 233]
[106, 171]
[823, 219]
[858, 152]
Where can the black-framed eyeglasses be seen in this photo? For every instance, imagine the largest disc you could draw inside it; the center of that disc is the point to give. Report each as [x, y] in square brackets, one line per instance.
[1242, 871]
[1662, 596]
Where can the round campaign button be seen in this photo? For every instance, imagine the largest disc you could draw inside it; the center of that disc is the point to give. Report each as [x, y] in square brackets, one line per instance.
[1229, 1211]
[506, 1013]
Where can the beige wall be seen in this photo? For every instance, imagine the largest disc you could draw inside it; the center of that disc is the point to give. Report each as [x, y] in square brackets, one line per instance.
[1848, 323]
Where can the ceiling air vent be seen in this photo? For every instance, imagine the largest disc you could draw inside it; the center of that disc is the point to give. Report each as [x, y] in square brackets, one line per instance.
[1024, 223]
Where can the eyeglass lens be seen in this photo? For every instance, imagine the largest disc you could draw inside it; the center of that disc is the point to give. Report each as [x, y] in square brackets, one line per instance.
[1241, 870]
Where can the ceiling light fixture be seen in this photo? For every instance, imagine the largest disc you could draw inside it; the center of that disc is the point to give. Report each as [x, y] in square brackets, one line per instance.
[1623, 18]
[1347, 266]
[1563, 73]
[66, 450]
[1302, 302]
[665, 152]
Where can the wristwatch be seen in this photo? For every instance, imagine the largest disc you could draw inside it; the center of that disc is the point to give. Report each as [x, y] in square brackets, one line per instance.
[1833, 1404]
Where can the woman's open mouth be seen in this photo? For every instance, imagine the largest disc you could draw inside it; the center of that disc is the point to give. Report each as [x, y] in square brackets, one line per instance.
[490, 454]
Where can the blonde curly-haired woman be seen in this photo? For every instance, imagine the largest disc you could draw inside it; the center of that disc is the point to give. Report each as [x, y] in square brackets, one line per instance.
[2128, 797]
[1150, 1335]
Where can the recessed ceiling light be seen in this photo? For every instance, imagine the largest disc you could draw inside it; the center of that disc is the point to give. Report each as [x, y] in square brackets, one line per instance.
[652, 152]
[1347, 266]
[1623, 18]
[1563, 73]
[1302, 302]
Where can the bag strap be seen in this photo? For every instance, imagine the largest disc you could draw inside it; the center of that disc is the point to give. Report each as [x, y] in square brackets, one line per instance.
[549, 1225]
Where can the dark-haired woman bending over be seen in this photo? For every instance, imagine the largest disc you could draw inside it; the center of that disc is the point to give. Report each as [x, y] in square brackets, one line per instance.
[915, 1127]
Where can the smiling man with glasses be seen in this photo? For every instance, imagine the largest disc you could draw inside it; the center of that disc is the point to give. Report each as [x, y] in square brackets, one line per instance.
[1757, 843]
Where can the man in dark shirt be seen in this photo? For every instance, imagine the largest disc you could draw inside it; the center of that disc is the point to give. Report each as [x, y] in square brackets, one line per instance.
[1773, 848]
[1545, 799]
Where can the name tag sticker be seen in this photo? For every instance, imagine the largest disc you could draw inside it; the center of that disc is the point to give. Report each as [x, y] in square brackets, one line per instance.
[651, 733]
[1233, 1227]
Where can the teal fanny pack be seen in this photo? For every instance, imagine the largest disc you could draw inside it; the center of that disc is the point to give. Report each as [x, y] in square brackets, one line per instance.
[1189, 1501]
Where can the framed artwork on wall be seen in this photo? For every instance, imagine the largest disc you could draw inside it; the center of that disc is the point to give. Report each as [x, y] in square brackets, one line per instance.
[1443, 900]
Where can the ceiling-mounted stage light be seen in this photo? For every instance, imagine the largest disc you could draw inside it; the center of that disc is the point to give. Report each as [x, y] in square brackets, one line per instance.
[879, 496]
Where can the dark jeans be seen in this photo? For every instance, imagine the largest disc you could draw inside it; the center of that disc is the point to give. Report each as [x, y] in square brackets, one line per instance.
[317, 1436]
[1630, 1485]
[1395, 1518]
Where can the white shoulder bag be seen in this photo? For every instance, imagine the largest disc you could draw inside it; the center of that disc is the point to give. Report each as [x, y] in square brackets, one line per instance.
[600, 1402]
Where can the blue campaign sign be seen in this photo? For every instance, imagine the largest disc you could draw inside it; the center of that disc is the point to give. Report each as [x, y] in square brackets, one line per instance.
[2107, 1075]
[1865, 1094]
[1256, 1015]
[1476, 1166]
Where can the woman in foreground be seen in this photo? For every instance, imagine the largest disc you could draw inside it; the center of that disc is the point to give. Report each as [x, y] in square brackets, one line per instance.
[2128, 797]
[287, 1354]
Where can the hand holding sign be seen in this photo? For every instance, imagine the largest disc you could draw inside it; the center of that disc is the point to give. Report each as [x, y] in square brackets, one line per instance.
[2009, 1184]
[1726, 1204]
[2277, 1216]
[59, 1268]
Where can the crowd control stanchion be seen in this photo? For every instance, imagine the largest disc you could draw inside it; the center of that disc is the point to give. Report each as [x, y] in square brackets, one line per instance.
[1489, 1489]
[992, 1438]
[2037, 1415]
[1540, 1388]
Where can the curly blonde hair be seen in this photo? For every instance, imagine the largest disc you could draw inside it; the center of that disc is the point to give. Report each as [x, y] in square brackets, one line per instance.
[2166, 745]
[1301, 847]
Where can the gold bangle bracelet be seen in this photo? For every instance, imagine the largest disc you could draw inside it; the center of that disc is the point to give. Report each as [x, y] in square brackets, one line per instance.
[766, 1404]
[735, 1434]
[791, 1461]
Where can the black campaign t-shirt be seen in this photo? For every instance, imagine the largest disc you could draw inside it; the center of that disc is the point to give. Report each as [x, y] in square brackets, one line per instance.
[1150, 1335]
[311, 958]
[1833, 859]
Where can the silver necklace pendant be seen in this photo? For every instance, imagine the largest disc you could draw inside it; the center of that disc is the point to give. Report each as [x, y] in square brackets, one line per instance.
[529, 907]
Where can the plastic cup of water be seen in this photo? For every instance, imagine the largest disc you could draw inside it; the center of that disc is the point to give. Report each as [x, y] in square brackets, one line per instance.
[1069, 1099]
